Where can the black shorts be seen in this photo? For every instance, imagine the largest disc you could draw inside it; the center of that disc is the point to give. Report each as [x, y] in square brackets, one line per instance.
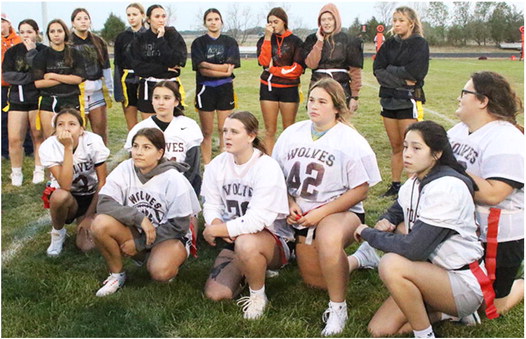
[281, 94]
[55, 104]
[209, 99]
[132, 89]
[83, 202]
[144, 103]
[303, 231]
[161, 234]
[510, 255]
[399, 114]
[23, 107]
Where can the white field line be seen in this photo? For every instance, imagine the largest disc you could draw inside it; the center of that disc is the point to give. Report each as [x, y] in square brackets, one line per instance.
[438, 114]
[34, 227]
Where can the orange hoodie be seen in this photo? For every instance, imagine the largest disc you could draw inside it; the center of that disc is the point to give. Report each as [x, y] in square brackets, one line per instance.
[8, 42]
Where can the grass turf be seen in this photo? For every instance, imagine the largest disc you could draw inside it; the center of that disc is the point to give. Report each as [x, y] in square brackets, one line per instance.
[45, 297]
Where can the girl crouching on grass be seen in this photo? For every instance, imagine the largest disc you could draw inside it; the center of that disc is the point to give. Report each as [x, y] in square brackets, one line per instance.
[145, 206]
[433, 267]
[76, 159]
[244, 193]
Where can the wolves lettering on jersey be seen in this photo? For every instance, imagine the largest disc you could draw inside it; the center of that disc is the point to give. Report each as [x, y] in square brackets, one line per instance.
[465, 152]
[320, 171]
[181, 134]
[148, 205]
[90, 151]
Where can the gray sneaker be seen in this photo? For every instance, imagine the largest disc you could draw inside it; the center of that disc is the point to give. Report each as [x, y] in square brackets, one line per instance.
[367, 256]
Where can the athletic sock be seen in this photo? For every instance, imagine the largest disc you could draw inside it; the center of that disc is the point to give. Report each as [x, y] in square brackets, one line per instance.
[338, 305]
[261, 291]
[120, 275]
[16, 170]
[425, 333]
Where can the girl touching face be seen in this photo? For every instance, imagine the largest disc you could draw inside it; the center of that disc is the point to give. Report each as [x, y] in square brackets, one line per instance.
[28, 33]
[327, 23]
[68, 129]
[157, 19]
[277, 24]
[417, 155]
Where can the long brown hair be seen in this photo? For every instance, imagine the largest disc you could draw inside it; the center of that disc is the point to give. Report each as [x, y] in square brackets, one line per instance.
[96, 40]
[68, 54]
[251, 124]
[335, 91]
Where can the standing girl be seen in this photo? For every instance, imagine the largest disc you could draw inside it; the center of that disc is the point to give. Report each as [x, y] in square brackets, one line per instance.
[23, 100]
[329, 168]
[145, 208]
[400, 67]
[434, 267]
[77, 162]
[182, 135]
[125, 80]
[58, 71]
[244, 193]
[157, 54]
[332, 53]
[279, 52]
[490, 145]
[214, 57]
[97, 64]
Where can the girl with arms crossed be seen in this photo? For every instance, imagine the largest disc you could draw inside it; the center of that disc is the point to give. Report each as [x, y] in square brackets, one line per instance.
[244, 193]
[77, 161]
[145, 209]
[97, 64]
[400, 67]
[329, 168]
[23, 100]
[214, 57]
[125, 80]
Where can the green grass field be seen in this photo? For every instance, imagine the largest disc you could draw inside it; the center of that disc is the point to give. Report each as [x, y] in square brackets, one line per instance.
[44, 297]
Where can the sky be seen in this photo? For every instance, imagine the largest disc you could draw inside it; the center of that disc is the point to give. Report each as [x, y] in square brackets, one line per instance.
[188, 14]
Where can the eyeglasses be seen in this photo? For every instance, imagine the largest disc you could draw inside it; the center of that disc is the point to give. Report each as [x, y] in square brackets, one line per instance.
[465, 91]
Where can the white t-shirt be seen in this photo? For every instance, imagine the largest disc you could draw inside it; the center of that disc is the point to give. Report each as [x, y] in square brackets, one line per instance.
[320, 171]
[248, 197]
[445, 202]
[90, 152]
[182, 134]
[496, 150]
[166, 196]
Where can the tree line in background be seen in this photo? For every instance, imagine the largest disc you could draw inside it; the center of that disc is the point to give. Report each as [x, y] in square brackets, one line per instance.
[460, 24]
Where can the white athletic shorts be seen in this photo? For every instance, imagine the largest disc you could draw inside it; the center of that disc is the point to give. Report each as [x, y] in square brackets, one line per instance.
[466, 291]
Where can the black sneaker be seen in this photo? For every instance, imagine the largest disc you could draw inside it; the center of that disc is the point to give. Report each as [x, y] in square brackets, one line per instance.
[393, 190]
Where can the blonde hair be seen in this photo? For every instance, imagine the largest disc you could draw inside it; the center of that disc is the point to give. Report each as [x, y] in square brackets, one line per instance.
[413, 17]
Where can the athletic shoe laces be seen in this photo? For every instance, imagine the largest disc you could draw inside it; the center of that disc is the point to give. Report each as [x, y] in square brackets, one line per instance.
[111, 285]
[335, 320]
[253, 306]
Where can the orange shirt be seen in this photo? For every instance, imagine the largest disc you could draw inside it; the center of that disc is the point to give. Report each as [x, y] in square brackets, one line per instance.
[8, 42]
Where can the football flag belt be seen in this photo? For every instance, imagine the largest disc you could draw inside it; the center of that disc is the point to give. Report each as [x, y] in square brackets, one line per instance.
[125, 73]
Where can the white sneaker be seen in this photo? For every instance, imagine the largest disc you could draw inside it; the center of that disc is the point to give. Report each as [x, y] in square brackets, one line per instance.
[271, 273]
[38, 176]
[335, 318]
[367, 256]
[111, 285]
[471, 320]
[57, 241]
[16, 179]
[253, 306]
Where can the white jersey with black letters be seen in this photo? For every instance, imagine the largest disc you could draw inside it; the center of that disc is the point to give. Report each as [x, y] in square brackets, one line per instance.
[247, 197]
[182, 134]
[320, 171]
[89, 153]
[444, 202]
[166, 196]
[495, 151]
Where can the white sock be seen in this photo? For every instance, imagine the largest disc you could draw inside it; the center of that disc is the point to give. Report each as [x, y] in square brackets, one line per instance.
[338, 306]
[62, 230]
[39, 168]
[120, 275]
[260, 292]
[16, 170]
[445, 316]
[425, 333]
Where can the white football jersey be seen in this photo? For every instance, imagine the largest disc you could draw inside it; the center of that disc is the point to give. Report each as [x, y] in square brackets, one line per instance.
[181, 134]
[233, 191]
[495, 150]
[320, 171]
[165, 196]
[90, 151]
[445, 202]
